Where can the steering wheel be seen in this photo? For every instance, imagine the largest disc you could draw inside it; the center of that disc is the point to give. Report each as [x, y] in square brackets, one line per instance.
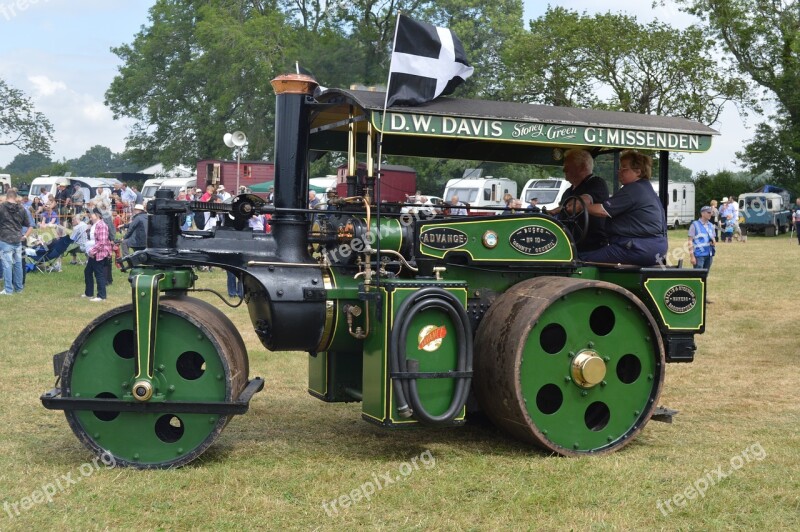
[576, 223]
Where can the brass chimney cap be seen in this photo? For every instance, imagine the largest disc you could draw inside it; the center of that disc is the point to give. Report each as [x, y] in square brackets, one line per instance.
[294, 84]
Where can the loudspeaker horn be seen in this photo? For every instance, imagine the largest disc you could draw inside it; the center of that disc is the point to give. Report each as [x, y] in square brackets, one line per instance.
[239, 138]
[228, 140]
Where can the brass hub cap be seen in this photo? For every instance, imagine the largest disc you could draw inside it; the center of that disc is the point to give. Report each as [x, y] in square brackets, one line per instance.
[588, 369]
[142, 390]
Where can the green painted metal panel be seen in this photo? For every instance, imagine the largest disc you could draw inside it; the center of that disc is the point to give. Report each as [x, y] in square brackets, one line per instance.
[537, 133]
[516, 239]
[374, 368]
[173, 279]
[318, 374]
[391, 233]
[676, 296]
[435, 394]
[428, 327]
[680, 302]
[344, 292]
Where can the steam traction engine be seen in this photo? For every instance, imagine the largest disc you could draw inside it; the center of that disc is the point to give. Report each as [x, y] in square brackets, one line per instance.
[410, 315]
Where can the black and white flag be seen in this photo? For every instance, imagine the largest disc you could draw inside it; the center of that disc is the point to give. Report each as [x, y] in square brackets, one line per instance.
[427, 62]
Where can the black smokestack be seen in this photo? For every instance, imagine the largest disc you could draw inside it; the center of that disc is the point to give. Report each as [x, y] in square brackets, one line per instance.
[291, 163]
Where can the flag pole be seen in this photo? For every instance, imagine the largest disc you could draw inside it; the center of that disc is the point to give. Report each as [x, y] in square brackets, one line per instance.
[380, 162]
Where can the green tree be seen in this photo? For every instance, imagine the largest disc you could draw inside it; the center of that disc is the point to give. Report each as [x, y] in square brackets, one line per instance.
[58, 168]
[99, 159]
[763, 37]
[21, 125]
[774, 150]
[721, 184]
[26, 164]
[485, 29]
[611, 61]
[548, 64]
[677, 172]
[200, 69]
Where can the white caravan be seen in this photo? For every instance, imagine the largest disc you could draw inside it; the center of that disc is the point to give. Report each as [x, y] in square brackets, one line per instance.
[680, 204]
[479, 193]
[548, 192]
[88, 184]
[150, 186]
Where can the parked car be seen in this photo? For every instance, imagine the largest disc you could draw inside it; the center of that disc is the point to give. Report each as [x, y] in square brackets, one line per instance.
[427, 205]
[765, 212]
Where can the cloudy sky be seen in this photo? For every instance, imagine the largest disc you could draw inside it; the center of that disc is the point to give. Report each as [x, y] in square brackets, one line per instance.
[58, 52]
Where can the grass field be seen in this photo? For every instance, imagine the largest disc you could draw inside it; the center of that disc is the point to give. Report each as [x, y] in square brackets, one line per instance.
[275, 467]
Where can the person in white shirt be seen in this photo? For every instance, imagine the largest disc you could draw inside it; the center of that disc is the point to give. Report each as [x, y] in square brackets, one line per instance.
[212, 219]
[128, 197]
[101, 200]
[735, 210]
[223, 194]
[256, 223]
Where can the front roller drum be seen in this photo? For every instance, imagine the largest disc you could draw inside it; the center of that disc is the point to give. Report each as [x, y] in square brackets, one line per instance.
[199, 357]
[573, 366]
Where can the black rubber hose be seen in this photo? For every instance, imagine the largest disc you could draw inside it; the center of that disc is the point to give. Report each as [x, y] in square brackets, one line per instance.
[405, 390]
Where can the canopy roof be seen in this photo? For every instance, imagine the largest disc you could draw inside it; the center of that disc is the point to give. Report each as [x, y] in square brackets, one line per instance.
[455, 128]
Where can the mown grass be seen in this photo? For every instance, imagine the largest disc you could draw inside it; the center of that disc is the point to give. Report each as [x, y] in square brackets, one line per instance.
[274, 467]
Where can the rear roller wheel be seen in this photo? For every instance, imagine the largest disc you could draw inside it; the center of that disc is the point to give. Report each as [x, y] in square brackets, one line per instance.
[199, 356]
[573, 366]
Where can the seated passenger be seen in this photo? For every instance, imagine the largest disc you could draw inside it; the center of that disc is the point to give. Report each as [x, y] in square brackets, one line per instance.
[578, 167]
[636, 225]
[456, 207]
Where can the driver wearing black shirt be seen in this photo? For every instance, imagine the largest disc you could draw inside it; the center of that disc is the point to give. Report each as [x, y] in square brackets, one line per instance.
[578, 167]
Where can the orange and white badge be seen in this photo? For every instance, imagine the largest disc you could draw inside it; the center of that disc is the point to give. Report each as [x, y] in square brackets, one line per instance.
[431, 336]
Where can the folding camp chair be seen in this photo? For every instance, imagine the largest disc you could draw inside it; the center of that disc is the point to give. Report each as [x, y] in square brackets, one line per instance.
[46, 257]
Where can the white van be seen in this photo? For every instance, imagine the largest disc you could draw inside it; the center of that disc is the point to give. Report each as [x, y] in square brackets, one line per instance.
[680, 206]
[547, 191]
[5, 179]
[176, 184]
[481, 192]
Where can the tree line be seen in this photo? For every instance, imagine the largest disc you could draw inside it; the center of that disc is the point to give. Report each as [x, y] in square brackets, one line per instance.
[95, 161]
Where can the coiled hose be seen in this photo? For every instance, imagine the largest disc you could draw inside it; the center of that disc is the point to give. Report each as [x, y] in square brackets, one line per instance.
[405, 388]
